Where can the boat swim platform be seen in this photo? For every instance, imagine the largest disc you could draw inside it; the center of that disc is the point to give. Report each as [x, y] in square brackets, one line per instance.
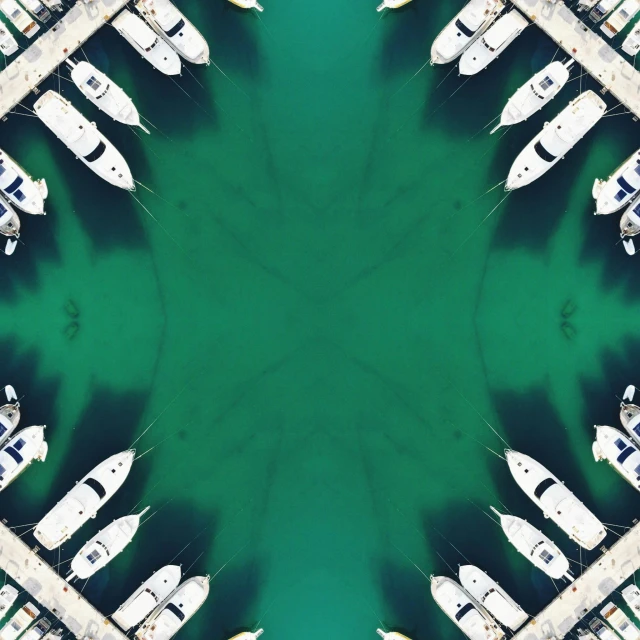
[591, 589]
[52, 48]
[53, 592]
[587, 48]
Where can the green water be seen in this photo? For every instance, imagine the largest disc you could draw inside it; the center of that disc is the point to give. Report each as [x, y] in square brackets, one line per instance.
[319, 318]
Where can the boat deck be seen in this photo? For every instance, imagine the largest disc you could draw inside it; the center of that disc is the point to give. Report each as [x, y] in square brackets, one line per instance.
[592, 588]
[597, 57]
[52, 48]
[42, 582]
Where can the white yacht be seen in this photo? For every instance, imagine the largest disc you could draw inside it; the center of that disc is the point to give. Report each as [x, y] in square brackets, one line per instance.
[176, 610]
[104, 546]
[19, 452]
[104, 93]
[37, 9]
[489, 46]
[603, 9]
[8, 596]
[150, 46]
[630, 414]
[9, 414]
[147, 597]
[620, 188]
[555, 500]
[9, 226]
[602, 631]
[535, 94]
[492, 596]
[619, 620]
[19, 188]
[19, 18]
[535, 546]
[556, 139]
[631, 595]
[84, 500]
[171, 25]
[38, 630]
[586, 5]
[388, 635]
[83, 139]
[463, 610]
[630, 226]
[616, 22]
[631, 44]
[253, 4]
[20, 620]
[470, 23]
[8, 44]
[618, 450]
[254, 635]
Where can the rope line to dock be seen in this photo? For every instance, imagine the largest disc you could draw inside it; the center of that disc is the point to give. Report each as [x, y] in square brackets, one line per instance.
[483, 511]
[415, 565]
[240, 550]
[451, 543]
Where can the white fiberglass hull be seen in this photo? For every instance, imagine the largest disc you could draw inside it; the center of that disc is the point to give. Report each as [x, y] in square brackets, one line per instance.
[620, 452]
[19, 188]
[631, 595]
[19, 452]
[620, 188]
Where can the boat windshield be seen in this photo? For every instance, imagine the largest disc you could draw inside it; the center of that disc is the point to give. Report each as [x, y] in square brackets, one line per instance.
[625, 185]
[543, 153]
[96, 486]
[178, 614]
[546, 556]
[487, 45]
[462, 27]
[543, 486]
[464, 610]
[152, 45]
[175, 30]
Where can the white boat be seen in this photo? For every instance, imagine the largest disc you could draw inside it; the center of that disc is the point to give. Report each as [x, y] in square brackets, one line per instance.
[9, 226]
[56, 5]
[8, 44]
[38, 630]
[19, 452]
[253, 4]
[631, 595]
[620, 188]
[630, 414]
[176, 610]
[618, 450]
[492, 596]
[83, 139]
[104, 93]
[254, 635]
[463, 610]
[489, 46]
[19, 18]
[36, 9]
[585, 634]
[147, 597]
[389, 635]
[468, 25]
[555, 500]
[535, 94]
[630, 226]
[9, 414]
[54, 634]
[535, 546]
[8, 596]
[19, 188]
[556, 139]
[104, 546]
[586, 5]
[19, 622]
[603, 9]
[631, 44]
[602, 631]
[84, 500]
[173, 27]
[145, 41]
[619, 620]
[616, 22]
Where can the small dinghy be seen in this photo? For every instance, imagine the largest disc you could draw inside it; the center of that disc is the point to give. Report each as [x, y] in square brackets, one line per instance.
[19, 452]
[8, 44]
[9, 414]
[389, 635]
[387, 4]
[254, 635]
[147, 597]
[253, 4]
[19, 622]
[19, 18]
[9, 226]
[631, 595]
[19, 188]
[601, 630]
[8, 596]
[619, 620]
[620, 188]
[492, 596]
[84, 500]
[618, 450]
[615, 23]
[535, 546]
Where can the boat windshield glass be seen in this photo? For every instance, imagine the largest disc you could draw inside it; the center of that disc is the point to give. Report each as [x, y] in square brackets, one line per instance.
[543, 153]
[14, 185]
[94, 83]
[153, 44]
[96, 486]
[545, 83]
[546, 556]
[175, 30]
[10, 451]
[19, 444]
[625, 454]
[94, 556]
[543, 486]
[96, 153]
[178, 614]
[463, 28]
[625, 185]
[620, 444]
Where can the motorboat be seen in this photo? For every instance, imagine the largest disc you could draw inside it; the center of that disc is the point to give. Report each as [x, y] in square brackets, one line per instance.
[19, 622]
[535, 546]
[9, 226]
[618, 20]
[631, 44]
[389, 635]
[9, 414]
[56, 5]
[38, 630]
[630, 414]
[176, 610]
[253, 4]
[489, 46]
[585, 634]
[19, 188]
[631, 595]
[8, 44]
[83, 139]
[619, 620]
[601, 630]
[84, 500]
[253, 635]
[37, 9]
[149, 45]
[620, 188]
[463, 610]
[173, 27]
[104, 93]
[54, 634]
[556, 139]
[556, 501]
[603, 9]
[617, 449]
[468, 25]
[630, 226]
[147, 597]
[19, 18]
[104, 546]
[492, 596]
[586, 5]
[20, 451]
[8, 595]
[535, 94]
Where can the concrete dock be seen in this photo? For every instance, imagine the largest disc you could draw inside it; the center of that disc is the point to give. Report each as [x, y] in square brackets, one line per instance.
[588, 591]
[594, 53]
[48, 51]
[42, 582]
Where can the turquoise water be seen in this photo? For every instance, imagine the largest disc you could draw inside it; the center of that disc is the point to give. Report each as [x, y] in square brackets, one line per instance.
[319, 320]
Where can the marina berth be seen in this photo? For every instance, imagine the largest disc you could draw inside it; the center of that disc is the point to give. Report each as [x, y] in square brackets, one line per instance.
[147, 597]
[19, 188]
[8, 596]
[556, 139]
[176, 610]
[463, 610]
[19, 622]
[253, 4]
[468, 25]
[387, 635]
[253, 635]
[489, 46]
[19, 18]
[84, 500]
[37, 9]
[492, 596]
[83, 139]
[555, 500]
[619, 620]
[9, 414]
[387, 4]
[631, 44]
[620, 18]
[38, 630]
[19, 452]
[149, 45]
[601, 630]
[618, 450]
[173, 27]
[9, 226]
[620, 188]
[631, 595]
[8, 44]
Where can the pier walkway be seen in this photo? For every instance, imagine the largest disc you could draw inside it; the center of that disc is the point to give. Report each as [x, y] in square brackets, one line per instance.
[43, 583]
[588, 591]
[52, 48]
[604, 64]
